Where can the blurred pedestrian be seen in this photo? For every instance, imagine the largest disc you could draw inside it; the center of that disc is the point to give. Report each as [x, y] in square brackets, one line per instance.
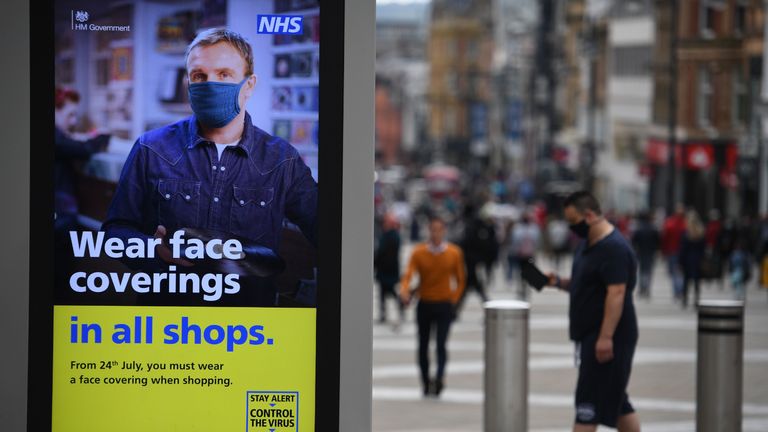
[557, 238]
[473, 244]
[602, 319]
[729, 236]
[71, 150]
[523, 244]
[415, 234]
[386, 263]
[646, 240]
[763, 252]
[712, 267]
[490, 242]
[692, 245]
[671, 235]
[740, 270]
[440, 267]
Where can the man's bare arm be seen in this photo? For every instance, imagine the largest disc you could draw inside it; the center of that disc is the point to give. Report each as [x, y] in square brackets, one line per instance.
[614, 305]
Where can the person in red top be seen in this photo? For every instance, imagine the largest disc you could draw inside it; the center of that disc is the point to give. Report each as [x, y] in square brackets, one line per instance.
[671, 236]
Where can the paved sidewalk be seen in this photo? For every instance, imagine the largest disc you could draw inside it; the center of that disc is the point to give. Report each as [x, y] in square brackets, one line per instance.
[662, 388]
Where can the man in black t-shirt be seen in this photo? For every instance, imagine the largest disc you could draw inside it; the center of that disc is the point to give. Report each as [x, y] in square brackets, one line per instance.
[602, 320]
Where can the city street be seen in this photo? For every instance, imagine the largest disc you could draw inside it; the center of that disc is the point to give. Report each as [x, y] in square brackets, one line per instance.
[662, 387]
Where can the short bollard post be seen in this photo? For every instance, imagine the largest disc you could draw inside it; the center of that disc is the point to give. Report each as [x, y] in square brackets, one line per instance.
[720, 366]
[506, 366]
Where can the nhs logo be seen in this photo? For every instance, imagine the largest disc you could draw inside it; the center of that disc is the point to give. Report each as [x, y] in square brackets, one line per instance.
[280, 24]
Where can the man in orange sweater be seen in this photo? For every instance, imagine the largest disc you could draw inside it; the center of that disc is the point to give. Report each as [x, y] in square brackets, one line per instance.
[440, 266]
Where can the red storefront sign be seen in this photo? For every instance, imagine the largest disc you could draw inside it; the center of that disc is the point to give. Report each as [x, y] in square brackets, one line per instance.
[699, 156]
[691, 155]
[657, 152]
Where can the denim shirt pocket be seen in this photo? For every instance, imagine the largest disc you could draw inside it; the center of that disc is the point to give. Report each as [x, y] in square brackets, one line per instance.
[251, 214]
[178, 203]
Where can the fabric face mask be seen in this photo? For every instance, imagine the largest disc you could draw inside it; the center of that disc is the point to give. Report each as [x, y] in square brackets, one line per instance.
[215, 104]
[581, 229]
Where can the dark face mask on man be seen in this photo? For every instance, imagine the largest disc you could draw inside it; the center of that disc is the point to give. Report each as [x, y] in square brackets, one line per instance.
[215, 104]
[581, 228]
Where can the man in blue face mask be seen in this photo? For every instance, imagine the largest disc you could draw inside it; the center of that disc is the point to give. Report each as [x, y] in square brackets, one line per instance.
[214, 170]
[602, 320]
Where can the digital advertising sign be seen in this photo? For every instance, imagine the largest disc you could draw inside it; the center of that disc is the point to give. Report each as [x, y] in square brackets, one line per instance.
[189, 216]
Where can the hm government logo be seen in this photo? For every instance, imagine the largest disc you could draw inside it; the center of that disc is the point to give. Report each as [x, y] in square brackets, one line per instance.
[81, 17]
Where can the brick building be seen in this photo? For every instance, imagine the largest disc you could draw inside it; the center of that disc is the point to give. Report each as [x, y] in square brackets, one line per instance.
[460, 51]
[718, 59]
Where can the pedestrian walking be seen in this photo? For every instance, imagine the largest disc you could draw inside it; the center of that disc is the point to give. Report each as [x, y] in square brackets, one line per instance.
[671, 235]
[729, 236]
[692, 245]
[740, 270]
[386, 263]
[602, 320]
[557, 237]
[490, 246]
[473, 245]
[646, 240]
[712, 267]
[440, 267]
[524, 242]
[763, 252]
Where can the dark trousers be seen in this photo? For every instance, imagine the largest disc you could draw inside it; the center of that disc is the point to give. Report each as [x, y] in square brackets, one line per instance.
[646, 275]
[387, 289]
[439, 316]
[473, 283]
[694, 277]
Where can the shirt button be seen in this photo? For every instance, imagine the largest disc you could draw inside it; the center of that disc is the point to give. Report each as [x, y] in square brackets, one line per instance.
[223, 168]
[262, 203]
[214, 167]
[187, 197]
[167, 196]
[215, 199]
[242, 202]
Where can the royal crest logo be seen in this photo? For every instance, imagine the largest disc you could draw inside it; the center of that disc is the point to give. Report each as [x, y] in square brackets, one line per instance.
[81, 16]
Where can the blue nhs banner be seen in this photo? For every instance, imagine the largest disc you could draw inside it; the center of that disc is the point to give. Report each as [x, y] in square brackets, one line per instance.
[280, 24]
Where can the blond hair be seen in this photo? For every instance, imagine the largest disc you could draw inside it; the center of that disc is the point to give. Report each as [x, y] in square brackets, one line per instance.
[694, 226]
[221, 34]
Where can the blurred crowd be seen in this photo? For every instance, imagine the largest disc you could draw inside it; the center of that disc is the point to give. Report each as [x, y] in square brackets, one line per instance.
[496, 235]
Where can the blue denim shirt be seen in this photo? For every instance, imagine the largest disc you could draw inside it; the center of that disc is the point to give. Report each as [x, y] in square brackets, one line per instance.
[174, 177]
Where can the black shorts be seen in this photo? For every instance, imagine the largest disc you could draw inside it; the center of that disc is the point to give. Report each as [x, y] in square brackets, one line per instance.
[601, 391]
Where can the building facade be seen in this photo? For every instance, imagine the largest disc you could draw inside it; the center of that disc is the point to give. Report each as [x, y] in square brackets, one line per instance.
[630, 41]
[460, 51]
[718, 57]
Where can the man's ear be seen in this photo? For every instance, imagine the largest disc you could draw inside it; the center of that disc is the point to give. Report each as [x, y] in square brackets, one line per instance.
[590, 216]
[250, 85]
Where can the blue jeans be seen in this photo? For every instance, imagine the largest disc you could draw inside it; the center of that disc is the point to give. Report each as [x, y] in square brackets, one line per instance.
[673, 267]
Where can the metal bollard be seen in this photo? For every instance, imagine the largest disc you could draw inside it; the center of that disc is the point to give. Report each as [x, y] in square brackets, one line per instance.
[506, 366]
[720, 366]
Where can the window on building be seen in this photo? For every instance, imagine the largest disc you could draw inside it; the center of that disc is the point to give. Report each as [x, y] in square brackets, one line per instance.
[631, 60]
[449, 121]
[740, 18]
[740, 99]
[704, 94]
[709, 14]
[451, 83]
[473, 50]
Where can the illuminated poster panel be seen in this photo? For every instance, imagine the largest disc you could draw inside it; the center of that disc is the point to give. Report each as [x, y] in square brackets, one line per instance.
[187, 290]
